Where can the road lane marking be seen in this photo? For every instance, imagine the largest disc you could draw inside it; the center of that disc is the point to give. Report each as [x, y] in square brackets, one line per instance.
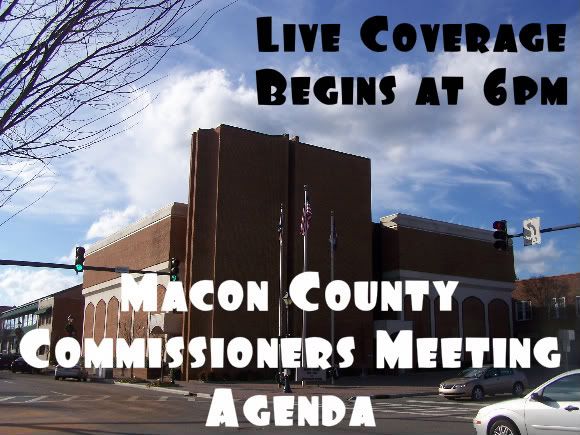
[8, 382]
[163, 398]
[133, 399]
[479, 405]
[68, 399]
[2, 399]
[432, 407]
[388, 411]
[35, 399]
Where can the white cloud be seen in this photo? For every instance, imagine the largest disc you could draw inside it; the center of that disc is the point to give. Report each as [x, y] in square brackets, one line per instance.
[21, 285]
[420, 155]
[536, 260]
[111, 221]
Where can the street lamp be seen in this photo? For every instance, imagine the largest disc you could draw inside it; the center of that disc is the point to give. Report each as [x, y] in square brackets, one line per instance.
[287, 303]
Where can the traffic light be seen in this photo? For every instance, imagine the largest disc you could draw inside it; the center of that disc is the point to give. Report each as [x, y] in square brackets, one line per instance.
[79, 259]
[500, 235]
[174, 269]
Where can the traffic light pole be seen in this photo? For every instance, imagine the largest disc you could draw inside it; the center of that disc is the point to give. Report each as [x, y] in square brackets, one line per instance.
[72, 266]
[548, 230]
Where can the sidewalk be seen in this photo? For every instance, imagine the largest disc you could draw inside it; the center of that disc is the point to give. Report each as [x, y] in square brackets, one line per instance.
[378, 387]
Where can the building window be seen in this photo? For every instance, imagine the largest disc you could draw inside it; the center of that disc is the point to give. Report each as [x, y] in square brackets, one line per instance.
[523, 310]
[558, 308]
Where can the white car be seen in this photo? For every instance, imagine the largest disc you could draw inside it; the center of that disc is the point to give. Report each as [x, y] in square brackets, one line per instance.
[551, 409]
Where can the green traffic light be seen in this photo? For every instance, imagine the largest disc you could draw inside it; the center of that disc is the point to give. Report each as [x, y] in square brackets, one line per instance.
[79, 267]
[173, 278]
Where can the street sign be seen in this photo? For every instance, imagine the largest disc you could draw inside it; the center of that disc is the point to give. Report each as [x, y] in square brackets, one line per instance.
[532, 235]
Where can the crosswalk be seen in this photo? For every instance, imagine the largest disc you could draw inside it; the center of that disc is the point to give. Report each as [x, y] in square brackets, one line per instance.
[64, 398]
[428, 407]
[422, 407]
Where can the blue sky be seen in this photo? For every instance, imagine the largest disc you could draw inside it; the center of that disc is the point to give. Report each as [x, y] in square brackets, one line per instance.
[469, 164]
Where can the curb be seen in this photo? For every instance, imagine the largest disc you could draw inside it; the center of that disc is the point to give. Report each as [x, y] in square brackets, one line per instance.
[160, 389]
[202, 395]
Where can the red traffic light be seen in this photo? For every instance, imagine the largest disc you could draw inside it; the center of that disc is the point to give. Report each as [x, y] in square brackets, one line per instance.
[500, 225]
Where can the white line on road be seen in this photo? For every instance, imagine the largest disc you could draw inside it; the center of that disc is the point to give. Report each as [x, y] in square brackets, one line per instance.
[36, 399]
[2, 399]
[388, 411]
[478, 405]
[163, 398]
[68, 399]
[133, 399]
[8, 382]
[62, 394]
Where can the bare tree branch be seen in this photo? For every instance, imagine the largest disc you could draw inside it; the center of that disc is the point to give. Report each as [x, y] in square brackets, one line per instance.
[68, 68]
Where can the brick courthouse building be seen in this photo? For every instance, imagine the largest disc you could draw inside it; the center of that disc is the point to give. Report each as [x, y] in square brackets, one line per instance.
[228, 230]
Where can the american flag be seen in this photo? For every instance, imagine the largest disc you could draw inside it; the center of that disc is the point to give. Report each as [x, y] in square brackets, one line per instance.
[306, 218]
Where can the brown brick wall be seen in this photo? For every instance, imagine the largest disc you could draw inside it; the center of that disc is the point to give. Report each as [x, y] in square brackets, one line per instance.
[238, 180]
[342, 183]
[100, 312]
[89, 319]
[140, 324]
[412, 249]
[498, 313]
[125, 325]
[446, 322]
[112, 318]
[145, 248]
[473, 317]
[201, 226]
[252, 183]
[160, 296]
[421, 319]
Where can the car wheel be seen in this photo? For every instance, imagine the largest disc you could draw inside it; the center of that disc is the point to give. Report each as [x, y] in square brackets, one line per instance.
[503, 427]
[477, 393]
[518, 389]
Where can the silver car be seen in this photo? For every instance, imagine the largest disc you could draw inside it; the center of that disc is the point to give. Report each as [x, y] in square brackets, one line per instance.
[477, 382]
[76, 372]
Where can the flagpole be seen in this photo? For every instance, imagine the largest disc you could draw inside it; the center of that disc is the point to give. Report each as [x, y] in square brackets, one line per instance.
[280, 238]
[332, 242]
[305, 239]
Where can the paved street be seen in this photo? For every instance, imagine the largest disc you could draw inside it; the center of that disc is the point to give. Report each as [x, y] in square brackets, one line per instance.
[39, 404]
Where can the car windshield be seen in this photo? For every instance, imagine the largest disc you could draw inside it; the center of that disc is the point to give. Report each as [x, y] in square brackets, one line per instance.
[471, 373]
